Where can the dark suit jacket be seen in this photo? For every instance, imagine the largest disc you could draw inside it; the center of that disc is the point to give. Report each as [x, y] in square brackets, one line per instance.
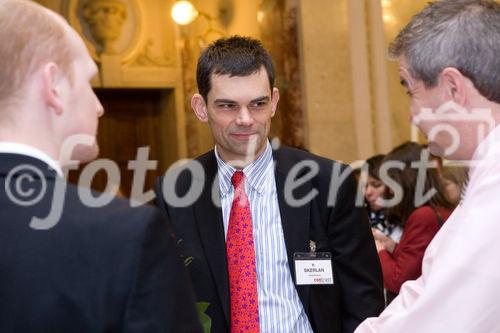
[341, 229]
[109, 269]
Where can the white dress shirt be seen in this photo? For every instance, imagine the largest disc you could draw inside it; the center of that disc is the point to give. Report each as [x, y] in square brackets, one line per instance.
[280, 308]
[458, 289]
[22, 149]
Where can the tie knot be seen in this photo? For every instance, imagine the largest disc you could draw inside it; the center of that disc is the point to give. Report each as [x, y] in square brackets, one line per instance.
[237, 178]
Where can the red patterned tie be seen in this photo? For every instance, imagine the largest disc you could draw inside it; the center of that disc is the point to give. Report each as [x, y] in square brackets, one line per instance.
[241, 262]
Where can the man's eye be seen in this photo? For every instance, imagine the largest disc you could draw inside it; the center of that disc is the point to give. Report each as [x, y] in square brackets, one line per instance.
[258, 105]
[227, 106]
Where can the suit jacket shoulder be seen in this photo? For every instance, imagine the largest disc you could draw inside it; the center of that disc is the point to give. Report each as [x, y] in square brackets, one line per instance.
[338, 227]
[97, 269]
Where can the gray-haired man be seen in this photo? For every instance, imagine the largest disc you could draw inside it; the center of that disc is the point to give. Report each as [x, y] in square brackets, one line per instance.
[449, 58]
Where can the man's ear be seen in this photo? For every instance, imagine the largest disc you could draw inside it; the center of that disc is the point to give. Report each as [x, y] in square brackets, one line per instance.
[454, 85]
[51, 90]
[199, 107]
[274, 100]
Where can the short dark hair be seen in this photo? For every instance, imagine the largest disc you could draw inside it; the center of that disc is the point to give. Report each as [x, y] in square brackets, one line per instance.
[233, 56]
[464, 34]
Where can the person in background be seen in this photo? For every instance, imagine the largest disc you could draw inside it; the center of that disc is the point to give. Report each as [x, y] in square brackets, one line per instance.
[449, 64]
[373, 193]
[402, 261]
[454, 180]
[110, 268]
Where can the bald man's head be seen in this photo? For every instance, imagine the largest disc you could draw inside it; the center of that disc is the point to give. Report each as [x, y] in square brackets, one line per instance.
[31, 35]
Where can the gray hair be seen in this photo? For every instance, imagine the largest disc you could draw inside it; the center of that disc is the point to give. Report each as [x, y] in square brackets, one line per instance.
[464, 34]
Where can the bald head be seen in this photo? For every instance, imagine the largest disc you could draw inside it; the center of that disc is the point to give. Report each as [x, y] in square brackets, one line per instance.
[31, 35]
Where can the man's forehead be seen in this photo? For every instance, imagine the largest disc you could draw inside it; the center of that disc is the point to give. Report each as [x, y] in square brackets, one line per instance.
[238, 90]
[228, 80]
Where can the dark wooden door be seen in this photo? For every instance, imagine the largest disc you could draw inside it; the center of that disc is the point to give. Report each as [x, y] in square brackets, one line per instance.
[131, 120]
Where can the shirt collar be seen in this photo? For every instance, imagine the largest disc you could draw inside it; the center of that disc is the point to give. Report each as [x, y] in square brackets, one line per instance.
[255, 172]
[22, 149]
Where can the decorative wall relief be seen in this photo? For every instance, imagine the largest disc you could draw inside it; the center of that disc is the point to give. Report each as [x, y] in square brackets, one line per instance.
[139, 81]
[157, 46]
[108, 27]
[147, 58]
[132, 41]
[105, 19]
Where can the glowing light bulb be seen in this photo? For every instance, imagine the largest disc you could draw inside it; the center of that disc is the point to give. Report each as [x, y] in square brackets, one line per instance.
[183, 12]
[388, 18]
[260, 16]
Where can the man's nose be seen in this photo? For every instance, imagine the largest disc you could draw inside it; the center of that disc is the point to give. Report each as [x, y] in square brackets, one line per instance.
[244, 117]
[100, 108]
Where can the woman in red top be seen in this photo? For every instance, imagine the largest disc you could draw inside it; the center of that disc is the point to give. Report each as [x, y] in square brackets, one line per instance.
[420, 216]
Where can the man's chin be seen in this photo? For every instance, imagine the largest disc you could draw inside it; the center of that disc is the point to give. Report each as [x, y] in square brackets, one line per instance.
[241, 155]
[436, 150]
[85, 154]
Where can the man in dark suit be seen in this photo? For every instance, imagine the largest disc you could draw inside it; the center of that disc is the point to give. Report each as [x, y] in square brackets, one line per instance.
[264, 240]
[66, 266]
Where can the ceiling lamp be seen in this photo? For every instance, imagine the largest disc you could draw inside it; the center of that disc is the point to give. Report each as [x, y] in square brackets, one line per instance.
[183, 12]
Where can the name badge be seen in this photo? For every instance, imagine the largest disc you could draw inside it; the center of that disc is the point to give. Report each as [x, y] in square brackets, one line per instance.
[313, 268]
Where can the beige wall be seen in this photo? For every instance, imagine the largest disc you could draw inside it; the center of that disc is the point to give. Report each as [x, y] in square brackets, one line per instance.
[353, 104]
[327, 79]
[396, 14]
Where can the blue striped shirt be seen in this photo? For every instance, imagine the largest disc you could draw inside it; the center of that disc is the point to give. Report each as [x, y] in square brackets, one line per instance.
[280, 309]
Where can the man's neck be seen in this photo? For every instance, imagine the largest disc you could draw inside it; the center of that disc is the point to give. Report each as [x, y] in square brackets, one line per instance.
[241, 162]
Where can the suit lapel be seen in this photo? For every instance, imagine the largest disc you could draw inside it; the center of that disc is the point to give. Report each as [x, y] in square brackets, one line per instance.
[295, 220]
[211, 230]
